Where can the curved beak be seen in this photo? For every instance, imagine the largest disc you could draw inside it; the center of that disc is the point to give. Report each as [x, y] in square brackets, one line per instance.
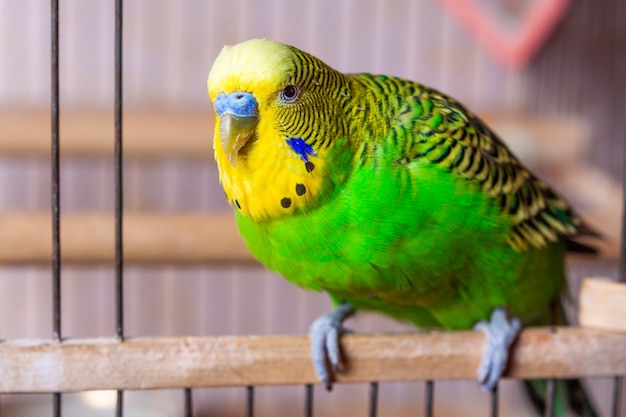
[235, 131]
[238, 114]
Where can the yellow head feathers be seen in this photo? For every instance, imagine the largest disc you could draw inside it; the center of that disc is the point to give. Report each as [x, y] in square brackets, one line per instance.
[276, 126]
[257, 64]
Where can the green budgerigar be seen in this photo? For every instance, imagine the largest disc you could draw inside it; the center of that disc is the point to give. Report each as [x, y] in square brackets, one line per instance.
[388, 195]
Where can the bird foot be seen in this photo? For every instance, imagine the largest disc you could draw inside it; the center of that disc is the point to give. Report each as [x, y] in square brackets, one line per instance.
[500, 332]
[324, 333]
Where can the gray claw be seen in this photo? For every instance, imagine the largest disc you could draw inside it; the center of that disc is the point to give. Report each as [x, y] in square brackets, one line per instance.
[324, 334]
[500, 333]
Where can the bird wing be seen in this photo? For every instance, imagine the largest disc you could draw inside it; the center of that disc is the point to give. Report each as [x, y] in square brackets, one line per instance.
[452, 137]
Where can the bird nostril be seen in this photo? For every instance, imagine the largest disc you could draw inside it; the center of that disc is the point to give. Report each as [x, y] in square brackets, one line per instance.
[238, 103]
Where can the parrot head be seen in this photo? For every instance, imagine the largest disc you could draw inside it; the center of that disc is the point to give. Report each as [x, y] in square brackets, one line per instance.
[279, 127]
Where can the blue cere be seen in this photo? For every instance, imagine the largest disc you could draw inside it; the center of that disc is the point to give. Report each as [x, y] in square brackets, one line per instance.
[302, 148]
[238, 103]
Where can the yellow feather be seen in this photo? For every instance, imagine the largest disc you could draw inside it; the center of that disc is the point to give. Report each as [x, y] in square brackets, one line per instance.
[257, 65]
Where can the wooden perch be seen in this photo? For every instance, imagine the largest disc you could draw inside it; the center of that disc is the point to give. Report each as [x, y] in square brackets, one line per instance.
[28, 366]
[602, 304]
[147, 363]
[155, 238]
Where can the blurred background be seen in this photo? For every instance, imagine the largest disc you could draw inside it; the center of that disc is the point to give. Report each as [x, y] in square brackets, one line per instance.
[549, 79]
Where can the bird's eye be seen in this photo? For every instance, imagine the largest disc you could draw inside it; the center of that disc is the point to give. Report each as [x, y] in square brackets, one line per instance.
[289, 94]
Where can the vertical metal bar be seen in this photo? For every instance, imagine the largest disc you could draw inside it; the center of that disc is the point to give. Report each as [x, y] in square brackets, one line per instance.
[56, 203]
[429, 394]
[119, 192]
[616, 402]
[495, 408]
[56, 404]
[119, 404]
[618, 381]
[249, 401]
[621, 277]
[550, 393]
[308, 400]
[555, 320]
[373, 410]
[188, 403]
[55, 183]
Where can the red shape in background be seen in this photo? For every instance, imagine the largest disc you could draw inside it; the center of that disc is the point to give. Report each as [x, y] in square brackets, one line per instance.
[513, 49]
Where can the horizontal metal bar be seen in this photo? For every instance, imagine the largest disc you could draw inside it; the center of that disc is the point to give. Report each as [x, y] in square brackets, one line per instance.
[180, 362]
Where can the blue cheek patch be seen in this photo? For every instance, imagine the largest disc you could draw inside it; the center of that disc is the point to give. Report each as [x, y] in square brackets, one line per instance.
[302, 148]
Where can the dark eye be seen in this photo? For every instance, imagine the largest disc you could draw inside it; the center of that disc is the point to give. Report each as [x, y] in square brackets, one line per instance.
[289, 94]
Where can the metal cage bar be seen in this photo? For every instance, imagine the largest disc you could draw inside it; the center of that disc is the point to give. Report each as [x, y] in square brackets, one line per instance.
[188, 406]
[616, 397]
[550, 392]
[429, 396]
[119, 189]
[618, 381]
[119, 403]
[551, 383]
[119, 180]
[55, 186]
[308, 400]
[494, 404]
[250, 401]
[55, 175]
[373, 400]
